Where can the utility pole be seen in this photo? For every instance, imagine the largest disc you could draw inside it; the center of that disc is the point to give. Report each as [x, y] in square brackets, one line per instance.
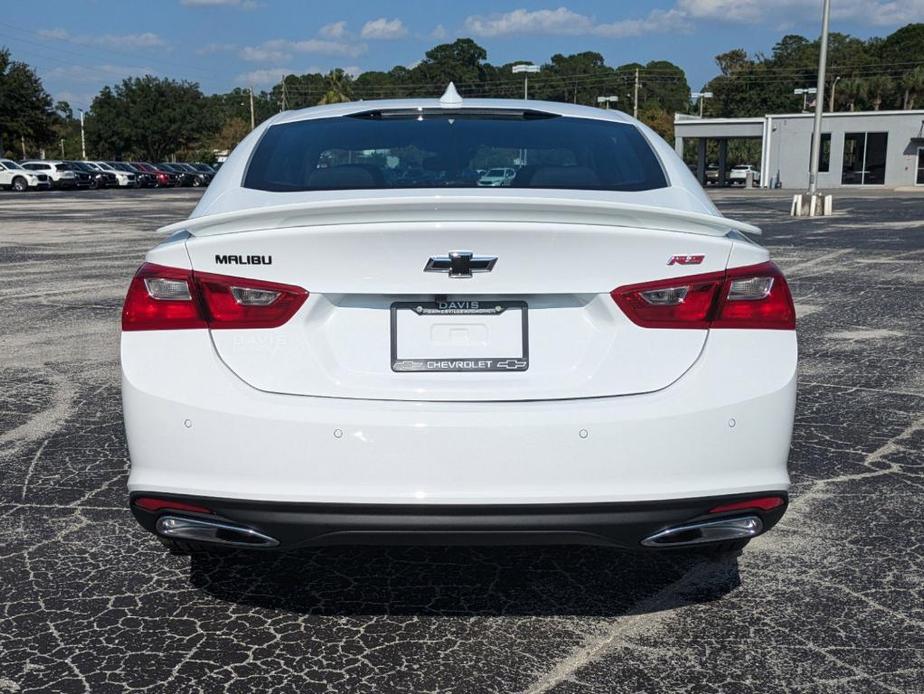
[83, 140]
[820, 97]
[62, 148]
[635, 100]
[252, 121]
[812, 203]
[22, 141]
[285, 104]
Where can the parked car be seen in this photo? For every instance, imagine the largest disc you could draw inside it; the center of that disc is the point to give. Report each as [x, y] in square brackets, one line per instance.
[497, 177]
[92, 177]
[200, 166]
[200, 178]
[162, 178]
[124, 179]
[739, 173]
[108, 176]
[142, 180]
[14, 177]
[712, 174]
[183, 178]
[59, 173]
[312, 360]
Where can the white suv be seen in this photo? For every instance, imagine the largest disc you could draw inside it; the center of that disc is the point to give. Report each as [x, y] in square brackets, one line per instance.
[13, 176]
[125, 179]
[59, 173]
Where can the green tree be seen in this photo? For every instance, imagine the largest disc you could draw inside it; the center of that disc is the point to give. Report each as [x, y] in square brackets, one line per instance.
[913, 85]
[338, 87]
[26, 112]
[147, 117]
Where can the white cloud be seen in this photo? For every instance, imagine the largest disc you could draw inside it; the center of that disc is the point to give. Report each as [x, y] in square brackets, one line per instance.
[353, 70]
[562, 21]
[97, 73]
[875, 12]
[258, 54]
[268, 76]
[240, 4]
[335, 30]
[383, 28]
[280, 50]
[438, 33]
[145, 40]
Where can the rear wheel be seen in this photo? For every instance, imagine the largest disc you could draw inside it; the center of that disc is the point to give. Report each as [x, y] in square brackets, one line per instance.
[20, 185]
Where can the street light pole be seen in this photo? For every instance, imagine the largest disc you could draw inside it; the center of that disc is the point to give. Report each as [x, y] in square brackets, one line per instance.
[831, 100]
[701, 96]
[526, 69]
[83, 140]
[252, 122]
[819, 97]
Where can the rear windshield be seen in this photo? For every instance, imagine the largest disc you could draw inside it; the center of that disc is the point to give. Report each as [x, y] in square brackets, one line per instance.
[453, 149]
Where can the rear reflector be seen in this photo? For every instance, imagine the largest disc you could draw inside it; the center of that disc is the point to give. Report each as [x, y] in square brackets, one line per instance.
[151, 504]
[755, 296]
[764, 503]
[167, 298]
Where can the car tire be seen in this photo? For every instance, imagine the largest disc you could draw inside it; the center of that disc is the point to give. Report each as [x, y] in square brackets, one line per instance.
[20, 185]
[196, 183]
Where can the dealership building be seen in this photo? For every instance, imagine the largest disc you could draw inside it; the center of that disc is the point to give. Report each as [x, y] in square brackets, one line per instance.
[862, 148]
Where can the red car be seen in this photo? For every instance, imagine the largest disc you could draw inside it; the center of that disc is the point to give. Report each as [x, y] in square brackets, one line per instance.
[165, 179]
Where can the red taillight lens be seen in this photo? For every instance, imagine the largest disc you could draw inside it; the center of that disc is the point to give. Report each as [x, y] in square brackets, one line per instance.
[234, 302]
[162, 298]
[764, 503]
[166, 298]
[755, 296]
[151, 504]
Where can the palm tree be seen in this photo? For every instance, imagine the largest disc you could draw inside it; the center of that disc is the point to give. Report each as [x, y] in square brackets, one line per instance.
[853, 89]
[913, 83]
[880, 86]
[338, 87]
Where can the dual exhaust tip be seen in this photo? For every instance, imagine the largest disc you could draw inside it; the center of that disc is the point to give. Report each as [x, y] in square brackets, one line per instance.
[212, 531]
[703, 532]
[218, 532]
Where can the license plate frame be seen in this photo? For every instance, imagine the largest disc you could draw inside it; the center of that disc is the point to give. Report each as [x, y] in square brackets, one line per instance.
[461, 307]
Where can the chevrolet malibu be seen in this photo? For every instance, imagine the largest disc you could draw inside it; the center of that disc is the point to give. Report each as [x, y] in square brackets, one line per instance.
[332, 351]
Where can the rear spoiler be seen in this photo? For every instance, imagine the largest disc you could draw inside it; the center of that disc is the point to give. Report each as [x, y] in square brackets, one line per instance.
[442, 208]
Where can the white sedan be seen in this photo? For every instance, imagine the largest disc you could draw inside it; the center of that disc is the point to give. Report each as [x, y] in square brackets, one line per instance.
[330, 351]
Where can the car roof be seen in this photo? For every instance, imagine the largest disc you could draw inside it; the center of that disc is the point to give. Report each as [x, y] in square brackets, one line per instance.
[353, 107]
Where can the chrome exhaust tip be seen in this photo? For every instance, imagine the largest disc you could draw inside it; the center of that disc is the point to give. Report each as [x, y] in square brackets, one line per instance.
[706, 531]
[212, 531]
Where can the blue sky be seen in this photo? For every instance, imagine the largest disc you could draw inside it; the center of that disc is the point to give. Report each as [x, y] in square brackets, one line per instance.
[80, 45]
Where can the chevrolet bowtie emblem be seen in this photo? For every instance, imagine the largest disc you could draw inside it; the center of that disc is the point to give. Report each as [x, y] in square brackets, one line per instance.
[460, 264]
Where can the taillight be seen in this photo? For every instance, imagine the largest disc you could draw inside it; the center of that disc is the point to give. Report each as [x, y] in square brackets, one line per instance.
[755, 296]
[763, 503]
[166, 298]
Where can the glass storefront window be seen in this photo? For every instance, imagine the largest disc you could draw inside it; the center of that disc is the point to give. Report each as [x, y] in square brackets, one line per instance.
[864, 158]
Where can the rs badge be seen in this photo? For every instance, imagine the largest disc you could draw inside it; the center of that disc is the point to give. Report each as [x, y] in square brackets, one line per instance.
[685, 259]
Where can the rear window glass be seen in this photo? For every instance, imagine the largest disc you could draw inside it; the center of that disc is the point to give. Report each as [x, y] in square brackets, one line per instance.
[453, 149]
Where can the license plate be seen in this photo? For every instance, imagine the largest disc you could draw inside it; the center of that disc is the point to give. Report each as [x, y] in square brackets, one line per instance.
[459, 336]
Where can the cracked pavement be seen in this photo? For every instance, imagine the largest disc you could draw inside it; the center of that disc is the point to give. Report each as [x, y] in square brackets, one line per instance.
[832, 600]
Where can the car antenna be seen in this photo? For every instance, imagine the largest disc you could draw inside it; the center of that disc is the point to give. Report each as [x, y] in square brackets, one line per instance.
[450, 98]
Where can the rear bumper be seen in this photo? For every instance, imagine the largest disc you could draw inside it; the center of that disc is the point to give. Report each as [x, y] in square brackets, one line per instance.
[290, 526]
[194, 429]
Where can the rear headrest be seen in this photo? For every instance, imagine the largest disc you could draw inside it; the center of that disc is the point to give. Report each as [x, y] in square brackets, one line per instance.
[346, 176]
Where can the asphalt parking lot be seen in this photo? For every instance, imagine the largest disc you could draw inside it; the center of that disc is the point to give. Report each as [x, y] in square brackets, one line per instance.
[831, 601]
